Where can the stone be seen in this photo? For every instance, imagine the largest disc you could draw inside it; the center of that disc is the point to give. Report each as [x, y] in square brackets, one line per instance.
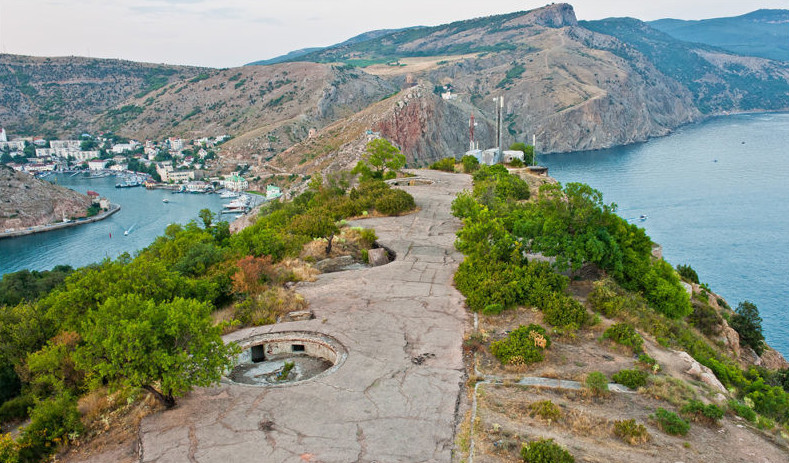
[378, 257]
[298, 316]
[334, 264]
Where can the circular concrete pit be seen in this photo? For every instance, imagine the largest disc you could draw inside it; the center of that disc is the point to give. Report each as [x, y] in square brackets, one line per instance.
[287, 358]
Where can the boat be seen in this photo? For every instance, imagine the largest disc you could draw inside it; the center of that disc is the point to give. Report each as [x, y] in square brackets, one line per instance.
[126, 233]
[238, 205]
[642, 217]
[228, 194]
[165, 200]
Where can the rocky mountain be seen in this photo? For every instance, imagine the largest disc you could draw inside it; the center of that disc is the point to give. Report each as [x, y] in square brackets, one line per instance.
[266, 108]
[26, 201]
[762, 33]
[60, 96]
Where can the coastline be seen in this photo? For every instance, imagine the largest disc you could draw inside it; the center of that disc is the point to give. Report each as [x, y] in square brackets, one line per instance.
[57, 226]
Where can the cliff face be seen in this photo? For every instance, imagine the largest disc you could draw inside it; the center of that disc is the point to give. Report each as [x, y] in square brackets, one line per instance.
[27, 201]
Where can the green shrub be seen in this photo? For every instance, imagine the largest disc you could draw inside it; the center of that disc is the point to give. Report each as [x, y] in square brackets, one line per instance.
[631, 432]
[624, 334]
[52, 422]
[633, 379]
[563, 311]
[9, 450]
[697, 411]
[649, 362]
[493, 309]
[545, 451]
[705, 318]
[742, 410]
[394, 202]
[687, 273]
[15, 409]
[671, 423]
[516, 162]
[523, 345]
[596, 383]
[545, 409]
[446, 165]
[470, 164]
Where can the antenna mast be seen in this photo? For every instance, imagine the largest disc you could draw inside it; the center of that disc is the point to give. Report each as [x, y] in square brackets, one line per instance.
[471, 124]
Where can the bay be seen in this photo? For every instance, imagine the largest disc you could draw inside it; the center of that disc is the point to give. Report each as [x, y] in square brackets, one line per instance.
[142, 212]
[716, 196]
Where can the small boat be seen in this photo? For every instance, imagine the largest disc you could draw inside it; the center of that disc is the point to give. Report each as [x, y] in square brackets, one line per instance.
[228, 195]
[642, 217]
[165, 200]
[126, 233]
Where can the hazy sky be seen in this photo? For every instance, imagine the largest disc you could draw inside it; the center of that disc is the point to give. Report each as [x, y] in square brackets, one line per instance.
[227, 33]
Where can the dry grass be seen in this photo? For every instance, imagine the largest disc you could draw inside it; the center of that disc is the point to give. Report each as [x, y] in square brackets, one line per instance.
[299, 269]
[673, 390]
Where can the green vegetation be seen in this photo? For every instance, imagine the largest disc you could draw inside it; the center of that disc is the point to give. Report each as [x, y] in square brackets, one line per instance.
[545, 451]
[631, 432]
[26, 285]
[748, 324]
[382, 161]
[528, 152]
[596, 383]
[446, 165]
[697, 411]
[626, 335]
[523, 345]
[671, 423]
[515, 71]
[470, 164]
[545, 409]
[687, 273]
[633, 379]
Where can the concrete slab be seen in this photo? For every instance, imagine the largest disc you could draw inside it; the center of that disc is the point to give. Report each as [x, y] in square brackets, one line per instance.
[394, 399]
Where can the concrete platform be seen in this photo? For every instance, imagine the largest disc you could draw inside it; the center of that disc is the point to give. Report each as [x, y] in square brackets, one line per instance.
[395, 397]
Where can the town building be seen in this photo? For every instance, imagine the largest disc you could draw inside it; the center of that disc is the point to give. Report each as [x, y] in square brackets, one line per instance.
[235, 182]
[97, 164]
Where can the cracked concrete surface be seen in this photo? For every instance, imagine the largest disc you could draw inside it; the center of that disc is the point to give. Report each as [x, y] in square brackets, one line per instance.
[394, 398]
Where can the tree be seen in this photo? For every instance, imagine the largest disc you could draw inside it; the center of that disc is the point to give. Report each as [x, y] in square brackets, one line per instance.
[207, 217]
[748, 324]
[317, 225]
[165, 348]
[383, 156]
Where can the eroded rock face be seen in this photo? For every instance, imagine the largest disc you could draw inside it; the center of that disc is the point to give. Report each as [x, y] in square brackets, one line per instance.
[773, 360]
[26, 201]
[701, 372]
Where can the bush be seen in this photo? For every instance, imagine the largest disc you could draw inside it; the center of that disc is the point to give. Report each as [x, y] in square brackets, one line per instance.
[705, 318]
[563, 311]
[687, 273]
[649, 362]
[545, 451]
[470, 164]
[9, 450]
[626, 335]
[597, 383]
[15, 409]
[545, 409]
[671, 423]
[446, 165]
[52, 422]
[631, 432]
[633, 379]
[394, 202]
[523, 345]
[742, 410]
[697, 411]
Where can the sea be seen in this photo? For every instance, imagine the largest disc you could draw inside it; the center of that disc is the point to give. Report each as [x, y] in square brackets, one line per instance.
[144, 215]
[715, 196]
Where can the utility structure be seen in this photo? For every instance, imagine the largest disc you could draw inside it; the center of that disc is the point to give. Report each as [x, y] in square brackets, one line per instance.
[471, 124]
[499, 108]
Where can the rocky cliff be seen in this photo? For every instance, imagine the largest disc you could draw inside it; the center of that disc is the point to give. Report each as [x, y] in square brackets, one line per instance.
[27, 201]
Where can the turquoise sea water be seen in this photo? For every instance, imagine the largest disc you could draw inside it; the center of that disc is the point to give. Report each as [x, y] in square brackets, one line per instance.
[716, 196]
[142, 211]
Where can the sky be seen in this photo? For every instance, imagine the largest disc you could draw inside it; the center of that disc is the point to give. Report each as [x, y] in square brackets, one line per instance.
[228, 33]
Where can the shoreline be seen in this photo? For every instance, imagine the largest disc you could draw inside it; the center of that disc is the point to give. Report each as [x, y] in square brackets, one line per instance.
[57, 226]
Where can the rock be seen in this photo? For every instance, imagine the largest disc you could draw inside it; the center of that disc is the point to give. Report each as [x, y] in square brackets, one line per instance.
[298, 316]
[378, 257]
[701, 372]
[334, 264]
[732, 340]
[773, 360]
[688, 288]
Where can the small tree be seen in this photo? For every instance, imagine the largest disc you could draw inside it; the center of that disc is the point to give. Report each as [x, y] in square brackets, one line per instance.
[207, 217]
[748, 324]
[164, 348]
[382, 156]
[316, 226]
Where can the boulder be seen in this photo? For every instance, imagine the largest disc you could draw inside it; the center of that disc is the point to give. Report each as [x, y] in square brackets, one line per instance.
[378, 257]
[298, 316]
[335, 264]
[701, 372]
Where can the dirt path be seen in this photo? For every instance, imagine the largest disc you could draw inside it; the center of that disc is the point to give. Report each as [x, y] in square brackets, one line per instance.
[394, 398]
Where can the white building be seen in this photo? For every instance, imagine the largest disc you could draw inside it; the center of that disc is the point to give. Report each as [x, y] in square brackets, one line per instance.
[3, 136]
[510, 155]
[124, 147]
[16, 145]
[273, 192]
[71, 145]
[176, 145]
[97, 164]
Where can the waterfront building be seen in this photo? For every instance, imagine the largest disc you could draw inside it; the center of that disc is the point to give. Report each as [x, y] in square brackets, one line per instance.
[235, 182]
